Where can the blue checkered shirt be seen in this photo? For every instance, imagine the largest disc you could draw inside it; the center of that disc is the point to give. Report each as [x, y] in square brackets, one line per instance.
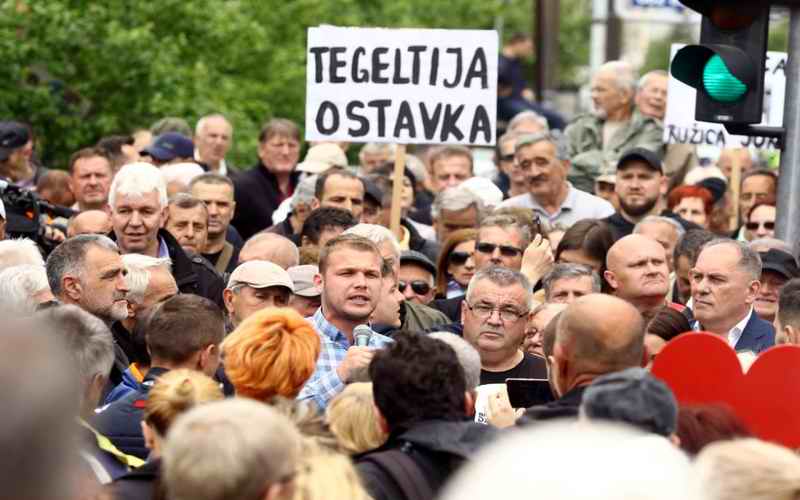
[325, 383]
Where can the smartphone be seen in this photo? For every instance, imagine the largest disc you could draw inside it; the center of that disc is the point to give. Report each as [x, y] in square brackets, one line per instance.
[527, 392]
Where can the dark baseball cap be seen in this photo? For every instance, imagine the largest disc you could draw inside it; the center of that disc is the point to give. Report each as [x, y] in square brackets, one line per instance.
[641, 154]
[168, 146]
[372, 192]
[780, 262]
[414, 257]
[13, 135]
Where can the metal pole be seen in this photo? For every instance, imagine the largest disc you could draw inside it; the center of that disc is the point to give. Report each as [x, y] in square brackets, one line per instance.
[546, 25]
[788, 219]
[597, 43]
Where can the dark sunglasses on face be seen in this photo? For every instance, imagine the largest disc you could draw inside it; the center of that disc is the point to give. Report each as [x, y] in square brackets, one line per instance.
[752, 226]
[419, 287]
[459, 258]
[505, 250]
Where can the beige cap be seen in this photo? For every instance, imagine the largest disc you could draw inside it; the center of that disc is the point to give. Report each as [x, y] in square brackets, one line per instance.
[303, 279]
[321, 157]
[607, 178]
[260, 274]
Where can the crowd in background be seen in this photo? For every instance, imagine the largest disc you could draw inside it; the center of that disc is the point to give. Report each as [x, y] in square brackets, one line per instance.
[184, 328]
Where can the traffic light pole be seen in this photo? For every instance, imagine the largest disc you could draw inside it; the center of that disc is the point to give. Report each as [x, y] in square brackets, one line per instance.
[788, 216]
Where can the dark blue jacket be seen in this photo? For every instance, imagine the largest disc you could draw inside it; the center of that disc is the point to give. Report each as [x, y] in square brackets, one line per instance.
[758, 335]
[121, 420]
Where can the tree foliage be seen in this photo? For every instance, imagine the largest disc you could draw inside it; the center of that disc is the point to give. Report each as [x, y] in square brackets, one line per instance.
[79, 69]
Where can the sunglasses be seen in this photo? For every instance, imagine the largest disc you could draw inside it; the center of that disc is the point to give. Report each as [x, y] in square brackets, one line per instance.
[459, 258]
[752, 226]
[505, 250]
[419, 287]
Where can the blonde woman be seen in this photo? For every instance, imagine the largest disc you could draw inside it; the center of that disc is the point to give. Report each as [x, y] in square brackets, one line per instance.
[352, 420]
[327, 475]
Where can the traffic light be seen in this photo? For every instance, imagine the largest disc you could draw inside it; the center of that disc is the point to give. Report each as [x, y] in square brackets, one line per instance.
[727, 68]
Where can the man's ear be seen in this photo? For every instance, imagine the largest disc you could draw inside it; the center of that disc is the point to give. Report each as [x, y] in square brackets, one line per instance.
[469, 403]
[663, 185]
[314, 203]
[792, 335]
[319, 282]
[71, 287]
[227, 299]
[164, 217]
[383, 425]
[752, 291]
[566, 165]
[611, 279]
[464, 308]
[206, 355]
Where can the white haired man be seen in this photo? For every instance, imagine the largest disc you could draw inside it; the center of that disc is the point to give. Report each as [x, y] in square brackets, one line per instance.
[596, 140]
[213, 136]
[138, 205]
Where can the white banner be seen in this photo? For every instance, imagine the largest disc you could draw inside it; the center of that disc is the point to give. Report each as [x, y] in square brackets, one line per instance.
[407, 86]
[681, 127]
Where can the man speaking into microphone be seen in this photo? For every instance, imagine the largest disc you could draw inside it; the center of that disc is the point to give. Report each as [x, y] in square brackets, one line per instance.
[350, 280]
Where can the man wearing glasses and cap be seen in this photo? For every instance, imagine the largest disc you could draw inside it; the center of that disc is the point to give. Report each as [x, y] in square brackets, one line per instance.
[254, 285]
[15, 156]
[417, 277]
[306, 298]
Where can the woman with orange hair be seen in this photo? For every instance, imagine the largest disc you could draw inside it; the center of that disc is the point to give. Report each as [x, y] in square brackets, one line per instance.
[692, 203]
[272, 353]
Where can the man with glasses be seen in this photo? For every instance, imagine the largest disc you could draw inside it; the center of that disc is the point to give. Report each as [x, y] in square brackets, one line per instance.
[543, 159]
[417, 277]
[495, 312]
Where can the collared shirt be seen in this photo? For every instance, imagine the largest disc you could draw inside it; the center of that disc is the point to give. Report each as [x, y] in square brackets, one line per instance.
[223, 167]
[454, 289]
[578, 205]
[735, 333]
[325, 383]
[163, 249]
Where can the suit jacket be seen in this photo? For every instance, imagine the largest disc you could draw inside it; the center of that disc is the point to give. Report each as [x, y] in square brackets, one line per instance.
[758, 335]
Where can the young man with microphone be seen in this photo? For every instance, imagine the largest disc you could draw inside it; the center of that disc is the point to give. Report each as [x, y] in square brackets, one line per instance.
[350, 280]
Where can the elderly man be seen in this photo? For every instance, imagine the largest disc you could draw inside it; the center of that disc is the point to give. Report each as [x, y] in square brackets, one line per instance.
[374, 154]
[636, 271]
[16, 149]
[725, 285]
[169, 148]
[90, 179]
[138, 204]
[566, 283]
[260, 190]
[150, 283]
[450, 166]
[306, 297]
[510, 179]
[495, 312]
[757, 185]
[264, 458]
[787, 319]
[417, 277]
[544, 161]
[453, 209]
[212, 137]
[89, 222]
[541, 316]
[87, 271]
[299, 208]
[255, 285]
[665, 230]
[595, 335]
[272, 248]
[223, 241]
[596, 140]
[777, 268]
[187, 221]
[23, 289]
[350, 280]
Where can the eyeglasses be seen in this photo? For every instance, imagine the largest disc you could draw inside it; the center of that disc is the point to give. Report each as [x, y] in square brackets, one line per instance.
[459, 258]
[752, 226]
[505, 250]
[485, 311]
[419, 287]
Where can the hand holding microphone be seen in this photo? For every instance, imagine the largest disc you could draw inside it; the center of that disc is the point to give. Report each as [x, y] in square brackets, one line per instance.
[358, 355]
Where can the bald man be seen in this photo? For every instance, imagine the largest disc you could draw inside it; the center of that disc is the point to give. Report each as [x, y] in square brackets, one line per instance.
[272, 248]
[595, 335]
[636, 271]
[89, 222]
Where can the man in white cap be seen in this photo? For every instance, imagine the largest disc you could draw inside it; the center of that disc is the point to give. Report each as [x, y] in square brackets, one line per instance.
[255, 285]
[322, 157]
[306, 298]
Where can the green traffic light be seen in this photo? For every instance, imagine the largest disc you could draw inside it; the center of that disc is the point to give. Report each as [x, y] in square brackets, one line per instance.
[720, 83]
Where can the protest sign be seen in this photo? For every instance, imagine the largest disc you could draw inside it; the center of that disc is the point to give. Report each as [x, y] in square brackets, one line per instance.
[681, 127]
[406, 86]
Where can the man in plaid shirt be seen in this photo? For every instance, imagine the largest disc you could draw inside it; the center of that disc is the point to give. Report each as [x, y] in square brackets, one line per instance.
[350, 279]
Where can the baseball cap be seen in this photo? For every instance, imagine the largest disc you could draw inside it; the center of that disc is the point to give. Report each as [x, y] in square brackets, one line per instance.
[13, 135]
[260, 274]
[372, 192]
[635, 397]
[484, 189]
[303, 279]
[321, 157]
[780, 262]
[641, 154]
[412, 256]
[168, 146]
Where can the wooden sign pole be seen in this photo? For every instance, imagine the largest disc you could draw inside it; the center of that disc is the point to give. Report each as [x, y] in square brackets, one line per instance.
[397, 189]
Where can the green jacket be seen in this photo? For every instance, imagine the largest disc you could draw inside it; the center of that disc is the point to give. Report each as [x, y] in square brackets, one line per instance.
[589, 156]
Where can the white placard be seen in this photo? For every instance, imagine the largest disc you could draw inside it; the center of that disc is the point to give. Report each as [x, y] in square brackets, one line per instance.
[681, 127]
[408, 86]
[655, 11]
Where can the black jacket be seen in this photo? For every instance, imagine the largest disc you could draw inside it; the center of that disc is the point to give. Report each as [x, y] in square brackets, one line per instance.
[621, 227]
[193, 274]
[450, 307]
[566, 406]
[438, 447]
[257, 195]
[121, 420]
[139, 484]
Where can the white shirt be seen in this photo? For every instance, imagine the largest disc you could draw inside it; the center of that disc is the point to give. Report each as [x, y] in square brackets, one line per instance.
[223, 167]
[735, 333]
[578, 205]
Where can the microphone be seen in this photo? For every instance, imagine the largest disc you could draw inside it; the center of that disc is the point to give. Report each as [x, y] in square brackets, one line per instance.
[361, 335]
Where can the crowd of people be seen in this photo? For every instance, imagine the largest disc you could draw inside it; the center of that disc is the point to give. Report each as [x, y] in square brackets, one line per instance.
[194, 330]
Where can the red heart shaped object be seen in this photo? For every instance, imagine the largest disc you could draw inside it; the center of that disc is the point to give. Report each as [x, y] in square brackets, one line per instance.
[702, 368]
